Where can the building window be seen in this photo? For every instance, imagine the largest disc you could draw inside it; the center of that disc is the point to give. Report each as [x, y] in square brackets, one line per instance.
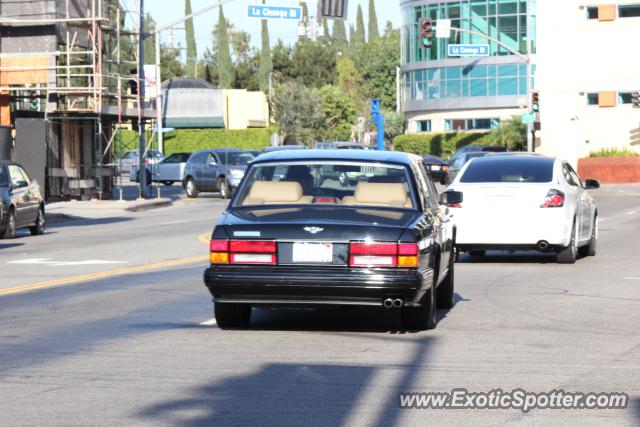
[592, 99]
[592, 12]
[625, 98]
[470, 124]
[424, 126]
[629, 11]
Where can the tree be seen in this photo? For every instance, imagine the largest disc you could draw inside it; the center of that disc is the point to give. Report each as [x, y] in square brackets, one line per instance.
[225, 66]
[352, 34]
[339, 36]
[170, 63]
[348, 77]
[282, 63]
[295, 109]
[192, 49]
[266, 63]
[339, 113]
[374, 32]
[360, 36]
[314, 63]
[149, 42]
[511, 133]
[394, 124]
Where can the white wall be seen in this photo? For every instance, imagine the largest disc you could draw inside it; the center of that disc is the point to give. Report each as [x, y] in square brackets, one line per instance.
[576, 56]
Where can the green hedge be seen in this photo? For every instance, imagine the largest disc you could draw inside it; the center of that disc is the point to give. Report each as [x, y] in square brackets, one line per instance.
[438, 144]
[189, 140]
[614, 152]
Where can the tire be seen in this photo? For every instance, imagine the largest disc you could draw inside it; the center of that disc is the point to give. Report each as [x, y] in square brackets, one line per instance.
[191, 189]
[10, 227]
[223, 186]
[590, 248]
[421, 318]
[568, 255]
[168, 183]
[477, 253]
[232, 315]
[38, 228]
[444, 296]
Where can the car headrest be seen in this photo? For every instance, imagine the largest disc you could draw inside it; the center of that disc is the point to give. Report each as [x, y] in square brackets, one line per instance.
[275, 192]
[380, 193]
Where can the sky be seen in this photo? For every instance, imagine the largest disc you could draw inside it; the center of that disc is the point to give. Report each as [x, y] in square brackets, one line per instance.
[236, 12]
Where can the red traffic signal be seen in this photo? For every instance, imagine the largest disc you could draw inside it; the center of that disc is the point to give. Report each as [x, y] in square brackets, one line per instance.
[535, 101]
[426, 31]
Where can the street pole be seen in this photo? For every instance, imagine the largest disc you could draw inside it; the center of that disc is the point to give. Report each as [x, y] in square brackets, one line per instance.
[144, 191]
[530, 129]
[159, 125]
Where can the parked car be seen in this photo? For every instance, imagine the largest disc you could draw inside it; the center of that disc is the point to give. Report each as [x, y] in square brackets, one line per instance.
[130, 159]
[339, 145]
[21, 202]
[437, 167]
[219, 170]
[459, 162]
[525, 202]
[169, 170]
[271, 149]
[476, 148]
[289, 242]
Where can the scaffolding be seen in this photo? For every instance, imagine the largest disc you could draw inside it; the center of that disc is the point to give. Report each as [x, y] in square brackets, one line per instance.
[86, 78]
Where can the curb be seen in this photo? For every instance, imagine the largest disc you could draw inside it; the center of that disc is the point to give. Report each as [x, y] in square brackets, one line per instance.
[147, 205]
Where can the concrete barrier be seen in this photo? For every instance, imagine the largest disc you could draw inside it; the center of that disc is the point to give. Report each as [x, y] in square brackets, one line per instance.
[610, 170]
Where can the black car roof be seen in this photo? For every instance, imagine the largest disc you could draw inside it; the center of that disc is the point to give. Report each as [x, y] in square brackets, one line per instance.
[349, 155]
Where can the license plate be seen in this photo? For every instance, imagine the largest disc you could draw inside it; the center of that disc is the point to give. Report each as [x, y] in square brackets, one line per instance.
[313, 252]
[436, 168]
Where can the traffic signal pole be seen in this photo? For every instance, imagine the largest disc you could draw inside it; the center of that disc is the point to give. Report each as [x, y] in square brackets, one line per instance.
[531, 133]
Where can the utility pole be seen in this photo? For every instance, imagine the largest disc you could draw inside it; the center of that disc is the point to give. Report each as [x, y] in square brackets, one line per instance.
[159, 125]
[142, 172]
[530, 128]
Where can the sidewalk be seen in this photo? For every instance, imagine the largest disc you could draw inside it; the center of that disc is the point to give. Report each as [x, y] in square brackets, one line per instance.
[95, 209]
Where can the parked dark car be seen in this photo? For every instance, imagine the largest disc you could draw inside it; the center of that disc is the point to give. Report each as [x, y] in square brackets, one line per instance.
[437, 167]
[339, 145]
[460, 161]
[271, 149]
[216, 170]
[287, 241]
[21, 202]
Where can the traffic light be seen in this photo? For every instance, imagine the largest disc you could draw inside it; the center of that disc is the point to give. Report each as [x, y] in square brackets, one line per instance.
[635, 99]
[535, 102]
[426, 31]
[333, 9]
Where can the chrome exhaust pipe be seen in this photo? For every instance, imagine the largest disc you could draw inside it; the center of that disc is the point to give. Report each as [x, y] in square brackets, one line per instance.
[397, 303]
[543, 245]
[387, 303]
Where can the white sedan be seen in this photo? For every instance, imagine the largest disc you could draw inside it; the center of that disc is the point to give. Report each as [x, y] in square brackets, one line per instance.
[168, 171]
[524, 202]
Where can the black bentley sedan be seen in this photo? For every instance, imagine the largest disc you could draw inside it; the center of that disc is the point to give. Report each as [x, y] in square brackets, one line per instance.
[21, 203]
[293, 236]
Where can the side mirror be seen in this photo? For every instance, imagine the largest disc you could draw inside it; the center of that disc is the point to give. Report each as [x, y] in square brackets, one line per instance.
[592, 184]
[451, 198]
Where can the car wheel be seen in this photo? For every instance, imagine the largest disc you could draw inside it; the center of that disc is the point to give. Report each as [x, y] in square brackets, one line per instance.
[168, 183]
[446, 288]
[568, 255]
[590, 248]
[10, 228]
[423, 317]
[477, 253]
[38, 228]
[225, 191]
[232, 315]
[191, 189]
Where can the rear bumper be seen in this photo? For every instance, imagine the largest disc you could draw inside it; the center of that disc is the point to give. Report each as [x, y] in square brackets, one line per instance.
[309, 286]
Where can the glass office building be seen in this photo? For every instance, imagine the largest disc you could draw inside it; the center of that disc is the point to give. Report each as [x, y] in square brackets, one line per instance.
[443, 93]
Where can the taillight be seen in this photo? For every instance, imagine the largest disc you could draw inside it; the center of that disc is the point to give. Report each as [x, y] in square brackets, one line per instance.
[376, 254]
[243, 252]
[554, 199]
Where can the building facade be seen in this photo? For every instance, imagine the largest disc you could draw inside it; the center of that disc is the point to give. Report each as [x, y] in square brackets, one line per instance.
[442, 93]
[585, 81]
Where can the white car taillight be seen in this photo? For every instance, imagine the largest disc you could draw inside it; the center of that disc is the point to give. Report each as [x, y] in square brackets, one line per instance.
[554, 199]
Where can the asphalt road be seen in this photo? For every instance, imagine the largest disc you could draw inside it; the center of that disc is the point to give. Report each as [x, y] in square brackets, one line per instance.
[132, 349]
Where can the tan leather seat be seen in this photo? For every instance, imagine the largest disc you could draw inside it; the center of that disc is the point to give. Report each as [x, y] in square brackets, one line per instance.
[379, 194]
[276, 193]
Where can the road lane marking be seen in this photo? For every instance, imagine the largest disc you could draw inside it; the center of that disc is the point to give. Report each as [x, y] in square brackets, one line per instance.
[102, 275]
[631, 213]
[181, 221]
[211, 322]
[47, 261]
[205, 238]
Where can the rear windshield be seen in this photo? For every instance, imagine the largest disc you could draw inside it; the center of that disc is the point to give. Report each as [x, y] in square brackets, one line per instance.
[177, 158]
[328, 183]
[509, 170]
[236, 159]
